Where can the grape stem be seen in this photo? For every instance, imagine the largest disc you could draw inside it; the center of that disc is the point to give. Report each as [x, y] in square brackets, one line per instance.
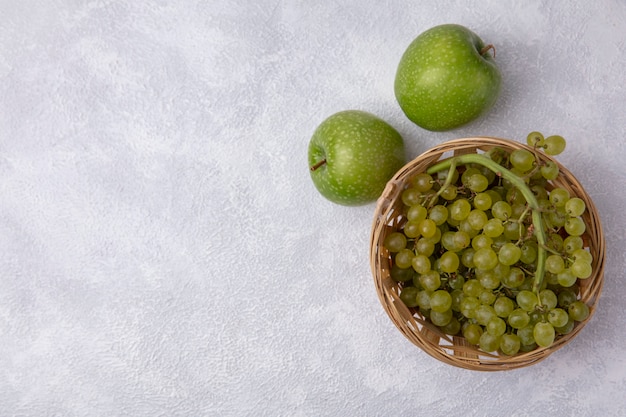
[499, 170]
[447, 182]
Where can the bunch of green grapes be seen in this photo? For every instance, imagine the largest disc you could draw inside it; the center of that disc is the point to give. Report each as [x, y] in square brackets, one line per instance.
[490, 250]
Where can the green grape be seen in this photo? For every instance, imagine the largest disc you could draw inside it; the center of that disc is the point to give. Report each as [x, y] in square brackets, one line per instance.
[423, 299]
[436, 238]
[410, 197]
[575, 207]
[416, 213]
[451, 222]
[482, 201]
[421, 264]
[554, 145]
[515, 197]
[430, 280]
[513, 231]
[503, 306]
[572, 243]
[467, 257]
[477, 219]
[487, 173]
[477, 183]
[485, 258]
[427, 228]
[408, 295]
[484, 313]
[518, 318]
[550, 170]
[559, 197]
[536, 316]
[440, 318]
[411, 229]
[465, 226]
[566, 278]
[535, 139]
[423, 182]
[467, 174]
[578, 310]
[460, 209]
[548, 299]
[472, 288]
[510, 344]
[567, 328]
[527, 285]
[544, 334]
[527, 300]
[566, 297]
[438, 214]
[440, 301]
[472, 333]
[529, 252]
[487, 297]
[447, 241]
[575, 226]
[400, 274]
[522, 159]
[452, 328]
[582, 255]
[457, 296]
[456, 281]
[555, 242]
[556, 218]
[395, 242]
[469, 305]
[558, 317]
[493, 228]
[509, 254]
[525, 334]
[449, 261]
[488, 278]
[489, 342]
[551, 279]
[496, 326]
[581, 269]
[481, 241]
[540, 192]
[425, 247]
[555, 264]
[404, 258]
[449, 192]
[514, 278]
[461, 239]
[519, 210]
[494, 194]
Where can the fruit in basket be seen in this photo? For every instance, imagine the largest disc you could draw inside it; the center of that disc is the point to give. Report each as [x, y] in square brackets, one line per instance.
[352, 154]
[446, 78]
[510, 265]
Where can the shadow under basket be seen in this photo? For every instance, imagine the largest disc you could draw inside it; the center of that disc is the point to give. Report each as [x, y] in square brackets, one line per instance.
[455, 350]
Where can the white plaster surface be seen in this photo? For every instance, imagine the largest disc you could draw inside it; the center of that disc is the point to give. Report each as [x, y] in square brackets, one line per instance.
[163, 251]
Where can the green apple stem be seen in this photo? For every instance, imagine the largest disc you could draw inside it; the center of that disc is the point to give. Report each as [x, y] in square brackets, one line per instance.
[518, 182]
[319, 164]
[486, 48]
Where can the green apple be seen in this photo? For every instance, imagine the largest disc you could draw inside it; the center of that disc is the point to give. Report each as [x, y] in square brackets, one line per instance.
[352, 154]
[446, 78]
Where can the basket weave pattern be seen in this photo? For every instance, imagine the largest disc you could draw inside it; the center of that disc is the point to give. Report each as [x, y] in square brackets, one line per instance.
[454, 350]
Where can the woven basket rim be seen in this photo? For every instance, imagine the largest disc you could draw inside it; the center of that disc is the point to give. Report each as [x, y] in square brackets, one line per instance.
[454, 350]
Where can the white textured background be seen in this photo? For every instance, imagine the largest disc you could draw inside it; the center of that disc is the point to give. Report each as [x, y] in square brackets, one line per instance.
[164, 253]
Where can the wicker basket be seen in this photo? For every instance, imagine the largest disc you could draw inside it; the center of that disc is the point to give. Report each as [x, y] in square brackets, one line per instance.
[454, 350]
